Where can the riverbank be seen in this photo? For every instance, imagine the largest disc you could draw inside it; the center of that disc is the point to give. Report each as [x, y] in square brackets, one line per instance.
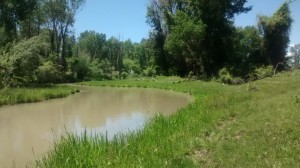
[250, 125]
[11, 96]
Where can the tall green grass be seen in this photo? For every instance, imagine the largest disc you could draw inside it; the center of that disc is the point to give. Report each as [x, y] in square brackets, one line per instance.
[10, 96]
[225, 126]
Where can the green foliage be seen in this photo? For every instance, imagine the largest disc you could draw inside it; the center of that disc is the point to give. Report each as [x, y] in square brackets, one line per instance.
[150, 71]
[247, 51]
[263, 72]
[185, 42]
[96, 70]
[24, 58]
[48, 72]
[225, 76]
[11, 13]
[60, 17]
[276, 30]
[295, 54]
[5, 71]
[193, 35]
[79, 68]
[93, 44]
[131, 67]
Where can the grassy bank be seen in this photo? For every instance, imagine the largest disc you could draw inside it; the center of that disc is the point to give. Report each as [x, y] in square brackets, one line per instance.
[10, 96]
[251, 125]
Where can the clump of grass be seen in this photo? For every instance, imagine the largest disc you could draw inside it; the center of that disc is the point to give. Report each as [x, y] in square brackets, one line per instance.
[252, 87]
[225, 126]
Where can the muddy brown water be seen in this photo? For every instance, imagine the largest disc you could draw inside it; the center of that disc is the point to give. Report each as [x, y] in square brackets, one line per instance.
[28, 130]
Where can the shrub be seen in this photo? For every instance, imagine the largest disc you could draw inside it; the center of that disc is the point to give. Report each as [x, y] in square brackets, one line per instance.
[131, 65]
[95, 70]
[149, 71]
[78, 68]
[262, 72]
[48, 73]
[225, 76]
[115, 74]
[238, 81]
[124, 75]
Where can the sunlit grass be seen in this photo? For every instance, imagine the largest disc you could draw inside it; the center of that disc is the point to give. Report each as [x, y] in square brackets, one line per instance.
[10, 96]
[225, 126]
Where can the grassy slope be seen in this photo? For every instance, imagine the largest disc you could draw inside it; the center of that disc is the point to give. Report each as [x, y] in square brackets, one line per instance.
[226, 126]
[12, 96]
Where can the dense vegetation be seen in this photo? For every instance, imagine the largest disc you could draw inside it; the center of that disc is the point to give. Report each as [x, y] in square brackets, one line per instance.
[188, 38]
[249, 125]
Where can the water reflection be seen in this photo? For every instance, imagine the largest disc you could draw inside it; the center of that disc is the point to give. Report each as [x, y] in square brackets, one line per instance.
[27, 130]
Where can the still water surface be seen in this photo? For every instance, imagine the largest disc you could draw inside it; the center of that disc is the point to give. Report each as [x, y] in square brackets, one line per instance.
[28, 130]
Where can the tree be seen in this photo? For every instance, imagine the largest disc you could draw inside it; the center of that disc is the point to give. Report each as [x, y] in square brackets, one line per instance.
[295, 51]
[128, 49]
[216, 43]
[24, 59]
[248, 54]
[140, 54]
[116, 53]
[184, 42]
[276, 30]
[60, 16]
[32, 24]
[159, 17]
[93, 44]
[218, 16]
[11, 13]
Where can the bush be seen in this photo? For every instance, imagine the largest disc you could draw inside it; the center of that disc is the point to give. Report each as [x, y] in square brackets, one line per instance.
[149, 71]
[124, 75]
[26, 56]
[262, 72]
[79, 68]
[96, 72]
[115, 74]
[225, 76]
[238, 81]
[131, 65]
[5, 72]
[48, 73]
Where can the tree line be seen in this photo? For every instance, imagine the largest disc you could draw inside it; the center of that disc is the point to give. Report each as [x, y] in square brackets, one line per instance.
[194, 38]
[199, 37]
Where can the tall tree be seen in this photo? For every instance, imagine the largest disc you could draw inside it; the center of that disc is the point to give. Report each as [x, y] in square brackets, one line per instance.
[60, 16]
[218, 16]
[93, 44]
[276, 30]
[184, 42]
[295, 51]
[11, 13]
[215, 15]
[116, 53]
[32, 24]
[248, 53]
[159, 17]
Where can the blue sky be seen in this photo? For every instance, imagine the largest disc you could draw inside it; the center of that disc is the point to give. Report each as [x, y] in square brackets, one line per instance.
[126, 19]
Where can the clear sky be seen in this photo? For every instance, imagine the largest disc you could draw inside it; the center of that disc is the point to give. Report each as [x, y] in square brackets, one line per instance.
[126, 19]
